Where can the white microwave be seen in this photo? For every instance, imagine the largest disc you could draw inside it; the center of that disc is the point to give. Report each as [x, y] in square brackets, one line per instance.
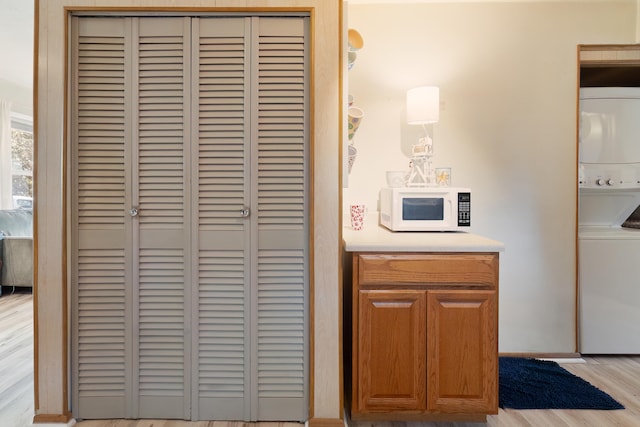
[425, 208]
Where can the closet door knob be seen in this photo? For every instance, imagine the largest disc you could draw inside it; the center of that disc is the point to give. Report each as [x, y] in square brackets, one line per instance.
[245, 212]
[133, 212]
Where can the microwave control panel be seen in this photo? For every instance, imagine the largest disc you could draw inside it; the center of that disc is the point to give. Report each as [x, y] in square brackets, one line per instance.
[464, 209]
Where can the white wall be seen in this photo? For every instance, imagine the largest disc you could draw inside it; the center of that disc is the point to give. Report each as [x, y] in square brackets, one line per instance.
[16, 47]
[21, 97]
[507, 75]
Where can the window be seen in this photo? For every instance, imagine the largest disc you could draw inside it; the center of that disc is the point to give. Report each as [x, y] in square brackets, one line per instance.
[22, 161]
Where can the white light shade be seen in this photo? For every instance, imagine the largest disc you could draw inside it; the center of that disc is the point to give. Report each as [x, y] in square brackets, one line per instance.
[423, 105]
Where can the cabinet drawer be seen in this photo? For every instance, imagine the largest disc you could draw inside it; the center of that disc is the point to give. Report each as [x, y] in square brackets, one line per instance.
[472, 270]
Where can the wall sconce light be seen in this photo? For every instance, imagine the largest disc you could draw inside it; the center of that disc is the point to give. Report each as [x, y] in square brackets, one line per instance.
[423, 107]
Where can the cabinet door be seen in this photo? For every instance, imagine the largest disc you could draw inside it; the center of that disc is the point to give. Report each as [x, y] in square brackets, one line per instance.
[462, 364]
[391, 352]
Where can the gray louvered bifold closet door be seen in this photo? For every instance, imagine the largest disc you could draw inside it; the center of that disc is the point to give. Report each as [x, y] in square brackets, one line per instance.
[253, 279]
[189, 219]
[101, 232]
[222, 378]
[131, 150]
[280, 257]
[161, 169]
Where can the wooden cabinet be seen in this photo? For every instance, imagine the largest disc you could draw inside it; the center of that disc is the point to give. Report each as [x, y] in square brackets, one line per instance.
[424, 335]
[392, 349]
[462, 353]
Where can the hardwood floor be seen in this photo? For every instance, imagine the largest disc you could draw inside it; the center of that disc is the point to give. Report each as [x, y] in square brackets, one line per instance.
[16, 354]
[178, 423]
[618, 376]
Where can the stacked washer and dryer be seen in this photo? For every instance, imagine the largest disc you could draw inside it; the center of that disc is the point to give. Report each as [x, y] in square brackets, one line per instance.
[609, 220]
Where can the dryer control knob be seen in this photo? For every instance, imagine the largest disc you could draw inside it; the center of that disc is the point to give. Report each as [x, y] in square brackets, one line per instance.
[599, 181]
[610, 181]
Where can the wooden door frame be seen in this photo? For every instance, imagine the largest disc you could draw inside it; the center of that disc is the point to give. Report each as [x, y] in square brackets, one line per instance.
[594, 55]
[51, 231]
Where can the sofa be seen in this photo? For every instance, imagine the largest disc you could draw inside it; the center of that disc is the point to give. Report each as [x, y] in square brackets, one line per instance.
[16, 248]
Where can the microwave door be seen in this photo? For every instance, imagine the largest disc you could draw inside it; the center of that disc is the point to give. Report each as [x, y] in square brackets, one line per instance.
[423, 209]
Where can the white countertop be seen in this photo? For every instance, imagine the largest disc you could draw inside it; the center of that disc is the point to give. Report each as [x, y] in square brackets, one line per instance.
[373, 238]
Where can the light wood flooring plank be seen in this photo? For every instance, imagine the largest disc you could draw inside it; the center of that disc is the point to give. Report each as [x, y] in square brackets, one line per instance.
[617, 375]
[16, 354]
[179, 423]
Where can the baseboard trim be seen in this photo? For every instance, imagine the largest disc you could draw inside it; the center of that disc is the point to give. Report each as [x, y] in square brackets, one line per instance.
[544, 355]
[69, 424]
[325, 422]
[42, 420]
